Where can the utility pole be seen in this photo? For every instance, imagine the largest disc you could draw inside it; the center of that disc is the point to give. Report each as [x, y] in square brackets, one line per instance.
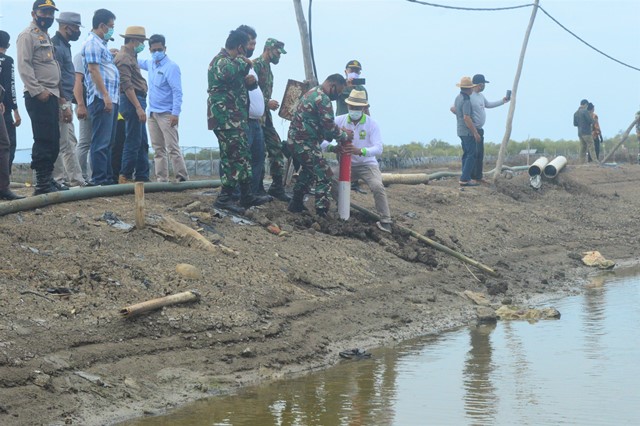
[306, 45]
[514, 97]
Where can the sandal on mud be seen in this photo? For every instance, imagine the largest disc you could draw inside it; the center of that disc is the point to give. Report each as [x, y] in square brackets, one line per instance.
[355, 354]
[470, 183]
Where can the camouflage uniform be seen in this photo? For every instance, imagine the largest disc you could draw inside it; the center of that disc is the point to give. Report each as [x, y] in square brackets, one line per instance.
[271, 138]
[312, 123]
[228, 115]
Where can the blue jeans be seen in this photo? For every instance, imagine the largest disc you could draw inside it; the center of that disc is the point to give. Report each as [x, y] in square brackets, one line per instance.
[256, 147]
[103, 134]
[468, 157]
[136, 146]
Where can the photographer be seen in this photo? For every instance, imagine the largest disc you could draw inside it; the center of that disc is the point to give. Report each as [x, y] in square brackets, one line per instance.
[354, 82]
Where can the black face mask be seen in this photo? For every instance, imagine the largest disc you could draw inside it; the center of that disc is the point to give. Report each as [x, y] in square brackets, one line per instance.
[249, 53]
[333, 93]
[75, 35]
[44, 22]
[275, 59]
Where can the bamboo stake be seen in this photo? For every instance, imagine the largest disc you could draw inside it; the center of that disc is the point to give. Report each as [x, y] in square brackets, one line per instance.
[514, 91]
[625, 135]
[139, 197]
[431, 243]
[150, 305]
[306, 45]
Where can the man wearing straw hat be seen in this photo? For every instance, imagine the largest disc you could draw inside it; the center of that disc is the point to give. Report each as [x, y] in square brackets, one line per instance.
[366, 146]
[133, 105]
[466, 130]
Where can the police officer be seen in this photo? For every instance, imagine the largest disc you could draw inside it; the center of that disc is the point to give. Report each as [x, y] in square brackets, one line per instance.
[40, 75]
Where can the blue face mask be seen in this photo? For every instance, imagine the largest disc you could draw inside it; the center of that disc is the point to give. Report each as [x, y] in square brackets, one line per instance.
[108, 34]
[158, 56]
[139, 48]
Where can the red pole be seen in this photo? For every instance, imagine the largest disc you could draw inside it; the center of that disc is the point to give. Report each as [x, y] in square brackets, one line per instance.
[344, 187]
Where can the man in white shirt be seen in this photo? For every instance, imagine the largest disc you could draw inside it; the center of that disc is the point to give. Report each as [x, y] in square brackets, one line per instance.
[366, 145]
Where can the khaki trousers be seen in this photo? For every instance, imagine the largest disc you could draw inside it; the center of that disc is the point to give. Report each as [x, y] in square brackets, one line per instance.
[67, 168]
[165, 143]
[373, 178]
[587, 145]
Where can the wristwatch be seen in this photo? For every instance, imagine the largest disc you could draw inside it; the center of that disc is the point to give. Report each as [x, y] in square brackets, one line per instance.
[64, 107]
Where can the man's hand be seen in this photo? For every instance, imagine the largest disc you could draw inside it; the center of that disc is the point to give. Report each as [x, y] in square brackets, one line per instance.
[173, 120]
[108, 104]
[142, 116]
[114, 51]
[273, 104]
[67, 115]
[17, 120]
[249, 80]
[477, 137]
[43, 96]
[505, 99]
[81, 112]
[350, 149]
[246, 60]
[349, 134]
[1, 108]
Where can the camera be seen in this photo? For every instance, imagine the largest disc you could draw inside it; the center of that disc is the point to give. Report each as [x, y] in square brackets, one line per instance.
[358, 81]
[508, 95]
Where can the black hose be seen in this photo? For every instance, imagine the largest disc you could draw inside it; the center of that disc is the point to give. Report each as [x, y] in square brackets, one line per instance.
[313, 59]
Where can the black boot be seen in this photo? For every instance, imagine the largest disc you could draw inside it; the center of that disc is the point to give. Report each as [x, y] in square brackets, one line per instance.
[321, 212]
[43, 183]
[248, 199]
[9, 195]
[276, 190]
[296, 205]
[225, 199]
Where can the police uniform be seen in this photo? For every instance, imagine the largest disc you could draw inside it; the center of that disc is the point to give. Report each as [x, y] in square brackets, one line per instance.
[39, 71]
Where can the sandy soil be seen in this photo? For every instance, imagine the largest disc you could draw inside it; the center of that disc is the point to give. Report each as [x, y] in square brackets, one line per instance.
[285, 304]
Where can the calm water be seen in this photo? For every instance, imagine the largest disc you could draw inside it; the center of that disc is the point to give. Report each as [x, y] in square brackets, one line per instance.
[581, 370]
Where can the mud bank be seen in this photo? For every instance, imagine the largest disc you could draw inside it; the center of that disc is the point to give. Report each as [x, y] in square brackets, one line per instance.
[284, 304]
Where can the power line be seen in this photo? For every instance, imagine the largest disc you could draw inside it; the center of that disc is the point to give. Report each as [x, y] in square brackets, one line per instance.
[592, 47]
[482, 9]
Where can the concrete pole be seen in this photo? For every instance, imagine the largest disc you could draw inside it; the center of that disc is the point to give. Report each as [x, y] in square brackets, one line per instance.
[344, 187]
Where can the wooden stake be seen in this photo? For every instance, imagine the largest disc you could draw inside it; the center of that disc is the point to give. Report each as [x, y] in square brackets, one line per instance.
[625, 135]
[139, 193]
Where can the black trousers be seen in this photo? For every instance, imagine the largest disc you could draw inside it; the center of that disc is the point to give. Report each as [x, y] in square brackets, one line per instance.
[11, 131]
[476, 173]
[4, 157]
[46, 133]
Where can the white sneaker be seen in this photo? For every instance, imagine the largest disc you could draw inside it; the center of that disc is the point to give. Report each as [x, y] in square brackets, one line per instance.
[385, 227]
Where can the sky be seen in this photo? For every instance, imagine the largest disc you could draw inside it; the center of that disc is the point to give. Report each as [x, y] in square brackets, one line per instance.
[412, 57]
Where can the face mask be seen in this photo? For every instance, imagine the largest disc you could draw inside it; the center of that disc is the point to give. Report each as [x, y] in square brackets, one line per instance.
[333, 93]
[249, 53]
[139, 48]
[108, 34]
[158, 56]
[355, 115]
[275, 59]
[74, 36]
[353, 75]
[44, 23]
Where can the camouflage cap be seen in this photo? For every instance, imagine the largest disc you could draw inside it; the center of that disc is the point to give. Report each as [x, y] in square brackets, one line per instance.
[272, 42]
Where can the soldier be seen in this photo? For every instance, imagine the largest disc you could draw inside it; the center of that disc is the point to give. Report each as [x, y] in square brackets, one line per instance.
[8, 81]
[312, 123]
[5, 168]
[227, 116]
[40, 74]
[273, 49]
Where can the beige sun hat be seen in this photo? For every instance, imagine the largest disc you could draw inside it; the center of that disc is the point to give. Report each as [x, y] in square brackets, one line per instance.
[466, 83]
[135, 32]
[357, 98]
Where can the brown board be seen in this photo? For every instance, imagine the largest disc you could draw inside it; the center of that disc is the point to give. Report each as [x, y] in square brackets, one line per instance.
[292, 95]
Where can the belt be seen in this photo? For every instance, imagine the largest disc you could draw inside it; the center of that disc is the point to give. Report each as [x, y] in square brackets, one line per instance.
[254, 119]
[138, 93]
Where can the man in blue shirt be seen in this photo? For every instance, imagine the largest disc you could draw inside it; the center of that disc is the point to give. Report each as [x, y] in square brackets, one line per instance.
[165, 103]
[103, 83]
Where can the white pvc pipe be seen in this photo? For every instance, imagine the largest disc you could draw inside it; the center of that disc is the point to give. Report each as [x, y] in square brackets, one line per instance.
[553, 168]
[536, 168]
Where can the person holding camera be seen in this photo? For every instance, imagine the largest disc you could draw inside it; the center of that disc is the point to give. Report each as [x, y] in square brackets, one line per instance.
[352, 72]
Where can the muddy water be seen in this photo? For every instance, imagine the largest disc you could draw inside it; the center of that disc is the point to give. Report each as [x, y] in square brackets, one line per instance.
[581, 370]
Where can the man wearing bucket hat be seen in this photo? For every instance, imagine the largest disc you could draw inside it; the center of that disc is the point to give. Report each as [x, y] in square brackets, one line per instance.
[366, 146]
[67, 168]
[133, 105]
[273, 49]
[40, 74]
[466, 130]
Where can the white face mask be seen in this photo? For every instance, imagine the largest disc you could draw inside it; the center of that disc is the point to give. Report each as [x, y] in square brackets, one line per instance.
[353, 75]
[355, 115]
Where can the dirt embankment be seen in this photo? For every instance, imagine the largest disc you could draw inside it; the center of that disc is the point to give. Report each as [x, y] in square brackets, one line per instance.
[285, 303]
